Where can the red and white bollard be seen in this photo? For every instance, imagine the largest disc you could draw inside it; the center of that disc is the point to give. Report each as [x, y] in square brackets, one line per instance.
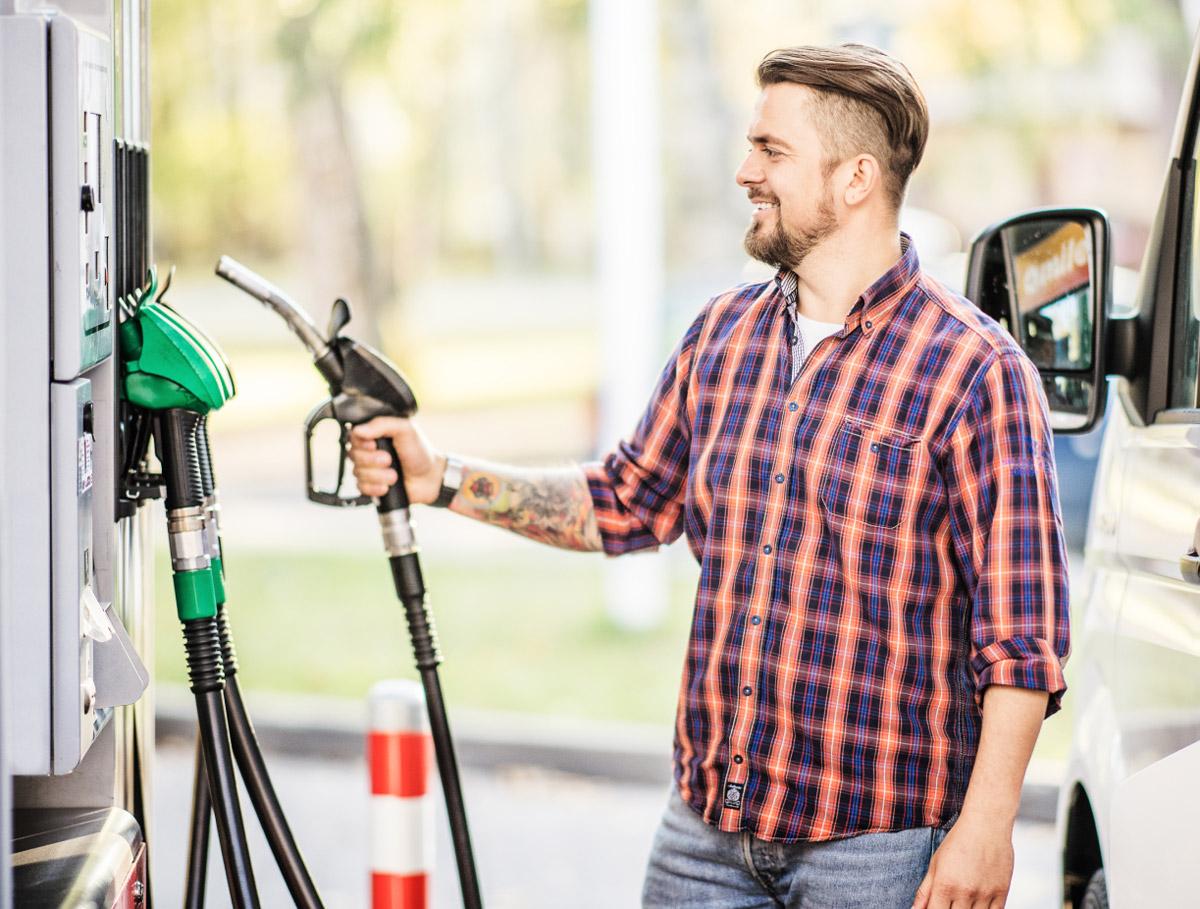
[400, 755]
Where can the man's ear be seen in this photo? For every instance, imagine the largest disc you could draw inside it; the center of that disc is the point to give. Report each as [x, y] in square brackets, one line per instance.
[862, 177]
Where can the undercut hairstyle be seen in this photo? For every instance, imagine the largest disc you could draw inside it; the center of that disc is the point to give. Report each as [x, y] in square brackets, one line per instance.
[866, 102]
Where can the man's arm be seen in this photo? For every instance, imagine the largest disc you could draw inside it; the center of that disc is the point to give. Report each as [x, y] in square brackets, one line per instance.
[974, 864]
[630, 502]
[552, 506]
[1005, 526]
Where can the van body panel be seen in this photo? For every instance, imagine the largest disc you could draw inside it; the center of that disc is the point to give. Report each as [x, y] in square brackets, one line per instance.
[1156, 692]
[1135, 672]
[1151, 858]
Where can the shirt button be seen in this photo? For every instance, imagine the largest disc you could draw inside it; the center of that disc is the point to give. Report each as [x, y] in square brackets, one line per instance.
[767, 549]
[756, 620]
[746, 691]
[868, 324]
[737, 758]
[778, 478]
[874, 446]
[793, 406]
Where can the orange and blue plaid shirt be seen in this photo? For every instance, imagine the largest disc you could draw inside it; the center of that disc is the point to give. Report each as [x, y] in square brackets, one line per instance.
[879, 540]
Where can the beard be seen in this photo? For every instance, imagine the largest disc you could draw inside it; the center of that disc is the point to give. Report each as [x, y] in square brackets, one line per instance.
[784, 247]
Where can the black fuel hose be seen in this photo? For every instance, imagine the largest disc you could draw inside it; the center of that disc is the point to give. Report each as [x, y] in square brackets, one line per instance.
[266, 803]
[410, 589]
[197, 867]
[247, 753]
[176, 443]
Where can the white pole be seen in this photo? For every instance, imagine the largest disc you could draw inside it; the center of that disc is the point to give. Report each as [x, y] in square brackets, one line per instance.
[626, 163]
[400, 758]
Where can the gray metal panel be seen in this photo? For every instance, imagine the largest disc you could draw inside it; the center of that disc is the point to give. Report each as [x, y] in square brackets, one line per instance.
[81, 106]
[104, 390]
[74, 857]
[5, 571]
[25, 347]
[72, 475]
[121, 674]
[92, 785]
[25, 407]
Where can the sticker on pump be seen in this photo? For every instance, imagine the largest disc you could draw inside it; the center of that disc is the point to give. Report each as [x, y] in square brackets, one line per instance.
[83, 470]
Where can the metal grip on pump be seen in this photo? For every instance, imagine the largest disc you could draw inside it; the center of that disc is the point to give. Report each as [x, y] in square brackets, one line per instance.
[327, 410]
[263, 290]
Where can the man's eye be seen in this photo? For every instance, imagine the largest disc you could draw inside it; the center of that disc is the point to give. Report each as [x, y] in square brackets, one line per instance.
[770, 152]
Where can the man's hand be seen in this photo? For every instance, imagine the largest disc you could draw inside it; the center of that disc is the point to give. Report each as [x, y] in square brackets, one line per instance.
[972, 869]
[552, 506]
[423, 464]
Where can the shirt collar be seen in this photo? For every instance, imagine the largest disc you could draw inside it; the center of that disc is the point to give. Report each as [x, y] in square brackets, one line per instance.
[878, 301]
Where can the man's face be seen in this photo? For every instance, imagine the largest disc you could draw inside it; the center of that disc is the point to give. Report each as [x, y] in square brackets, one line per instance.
[784, 177]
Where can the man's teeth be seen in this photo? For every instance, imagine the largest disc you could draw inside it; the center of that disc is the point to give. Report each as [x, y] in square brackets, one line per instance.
[763, 206]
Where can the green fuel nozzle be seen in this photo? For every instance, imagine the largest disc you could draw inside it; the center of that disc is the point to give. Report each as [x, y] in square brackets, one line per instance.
[172, 374]
[166, 360]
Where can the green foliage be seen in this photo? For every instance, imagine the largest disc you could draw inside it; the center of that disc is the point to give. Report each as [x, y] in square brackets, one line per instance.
[462, 137]
[221, 179]
[526, 635]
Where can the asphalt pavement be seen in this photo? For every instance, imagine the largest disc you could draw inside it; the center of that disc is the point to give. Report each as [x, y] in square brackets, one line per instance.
[543, 839]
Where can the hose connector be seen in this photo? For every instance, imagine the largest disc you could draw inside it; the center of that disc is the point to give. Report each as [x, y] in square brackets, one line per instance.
[186, 534]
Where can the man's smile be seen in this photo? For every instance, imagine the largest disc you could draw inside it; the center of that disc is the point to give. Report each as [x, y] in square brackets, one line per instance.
[761, 206]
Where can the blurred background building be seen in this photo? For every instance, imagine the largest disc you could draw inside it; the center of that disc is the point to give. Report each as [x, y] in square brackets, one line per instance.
[435, 163]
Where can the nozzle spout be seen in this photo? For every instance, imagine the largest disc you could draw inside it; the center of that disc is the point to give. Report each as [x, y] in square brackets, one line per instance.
[263, 290]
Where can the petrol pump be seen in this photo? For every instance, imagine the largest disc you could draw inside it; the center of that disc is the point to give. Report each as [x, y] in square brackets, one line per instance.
[96, 371]
[76, 716]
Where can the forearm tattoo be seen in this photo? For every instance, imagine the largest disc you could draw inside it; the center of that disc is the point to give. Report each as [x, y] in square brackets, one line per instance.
[550, 506]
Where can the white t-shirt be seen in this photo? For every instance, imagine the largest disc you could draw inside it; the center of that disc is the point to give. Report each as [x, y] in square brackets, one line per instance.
[813, 333]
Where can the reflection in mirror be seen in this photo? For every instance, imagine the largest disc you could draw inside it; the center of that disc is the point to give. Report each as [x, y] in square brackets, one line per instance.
[1049, 265]
[1069, 399]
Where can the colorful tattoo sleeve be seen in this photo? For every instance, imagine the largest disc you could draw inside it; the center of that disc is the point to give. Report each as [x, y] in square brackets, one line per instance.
[550, 506]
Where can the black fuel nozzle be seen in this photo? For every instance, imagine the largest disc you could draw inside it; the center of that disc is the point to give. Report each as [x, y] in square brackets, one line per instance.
[363, 383]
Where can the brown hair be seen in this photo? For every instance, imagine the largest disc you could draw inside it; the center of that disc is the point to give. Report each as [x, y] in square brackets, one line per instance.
[866, 102]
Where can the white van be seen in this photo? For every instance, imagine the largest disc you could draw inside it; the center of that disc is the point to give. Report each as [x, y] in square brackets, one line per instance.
[1129, 808]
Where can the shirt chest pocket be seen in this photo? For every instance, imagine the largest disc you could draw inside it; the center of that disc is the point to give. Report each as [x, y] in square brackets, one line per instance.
[869, 477]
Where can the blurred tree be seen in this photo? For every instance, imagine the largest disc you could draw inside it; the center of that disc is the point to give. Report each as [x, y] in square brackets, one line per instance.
[360, 146]
[218, 136]
[322, 47]
[1029, 90]
[699, 176]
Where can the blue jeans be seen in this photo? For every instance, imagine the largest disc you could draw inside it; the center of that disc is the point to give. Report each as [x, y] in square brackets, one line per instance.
[693, 864]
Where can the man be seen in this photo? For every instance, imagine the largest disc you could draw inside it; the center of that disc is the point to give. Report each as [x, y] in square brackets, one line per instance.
[862, 464]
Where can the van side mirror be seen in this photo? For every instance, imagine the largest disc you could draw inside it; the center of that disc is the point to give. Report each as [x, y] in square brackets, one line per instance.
[1045, 275]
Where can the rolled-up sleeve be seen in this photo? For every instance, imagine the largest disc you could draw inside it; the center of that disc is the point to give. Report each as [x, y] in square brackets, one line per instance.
[638, 488]
[1007, 531]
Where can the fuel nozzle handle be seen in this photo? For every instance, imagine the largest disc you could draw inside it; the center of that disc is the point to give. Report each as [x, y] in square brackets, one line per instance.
[396, 498]
[297, 319]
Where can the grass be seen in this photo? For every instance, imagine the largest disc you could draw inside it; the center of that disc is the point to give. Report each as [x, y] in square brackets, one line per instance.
[526, 634]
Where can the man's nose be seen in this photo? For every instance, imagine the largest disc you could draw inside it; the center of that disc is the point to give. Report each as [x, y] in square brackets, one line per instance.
[748, 174]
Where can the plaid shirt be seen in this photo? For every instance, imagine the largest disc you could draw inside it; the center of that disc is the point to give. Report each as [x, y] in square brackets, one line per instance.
[879, 540]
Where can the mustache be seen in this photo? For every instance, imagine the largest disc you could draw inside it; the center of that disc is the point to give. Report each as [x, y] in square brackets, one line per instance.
[754, 197]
